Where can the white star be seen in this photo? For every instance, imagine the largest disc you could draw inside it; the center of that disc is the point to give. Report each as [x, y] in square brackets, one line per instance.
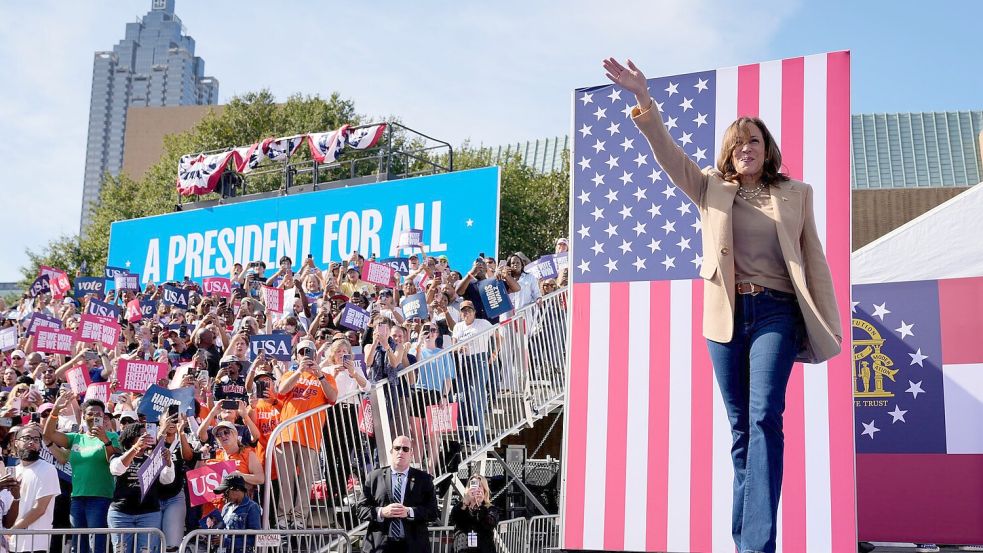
[469, 223]
[612, 195]
[584, 266]
[127, 264]
[673, 88]
[697, 261]
[642, 159]
[917, 358]
[697, 225]
[584, 164]
[612, 230]
[625, 212]
[655, 210]
[701, 119]
[587, 98]
[598, 213]
[600, 113]
[612, 265]
[627, 110]
[597, 247]
[905, 330]
[628, 144]
[584, 232]
[598, 146]
[686, 105]
[639, 228]
[897, 414]
[669, 192]
[612, 162]
[683, 208]
[598, 179]
[659, 105]
[584, 197]
[869, 429]
[639, 194]
[670, 226]
[915, 388]
[625, 246]
[625, 178]
[615, 95]
[655, 175]
[683, 244]
[701, 85]
[881, 310]
[700, 155]
[585, 130]
[853, 306]
[687, 138]
[639, 263]
[669, 262]
[671, 123]
[613, 128]
[654, 245]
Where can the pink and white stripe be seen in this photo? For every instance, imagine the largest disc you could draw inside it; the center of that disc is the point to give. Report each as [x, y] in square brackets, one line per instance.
[647, 443]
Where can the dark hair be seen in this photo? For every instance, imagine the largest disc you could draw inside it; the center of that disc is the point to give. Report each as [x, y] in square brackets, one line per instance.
[130, 434]
[737, 133]
[94, 403]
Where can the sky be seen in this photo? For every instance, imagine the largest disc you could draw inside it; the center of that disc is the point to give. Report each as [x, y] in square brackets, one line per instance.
[489, 72]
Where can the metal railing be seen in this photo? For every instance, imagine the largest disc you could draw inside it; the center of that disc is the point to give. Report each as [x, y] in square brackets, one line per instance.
[511, 535]
[503, 379]
[543, 535]
[539, 534]
[248, 541]
[116, 540]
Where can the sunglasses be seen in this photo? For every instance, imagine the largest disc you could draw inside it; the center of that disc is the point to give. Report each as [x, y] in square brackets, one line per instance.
[403, 448]
[223, 432]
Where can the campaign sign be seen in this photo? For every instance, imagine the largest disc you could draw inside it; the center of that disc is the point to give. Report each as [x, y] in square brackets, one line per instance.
[157, 399]
[54, 341]
[40, 320]
[127, 281]
[148, 308]
[377, 273]
[98, 390]
[272, 298]
[219, 286]
[89, 285]
[441, 418]
[330, 224]
[102, 309]
[495, 297]
[40, 286]
[354, 317]
[562, 261]
[172, 295]
[111, 272]
[151, 467]
[542, 268]
[412, 238]
[276, 346]
[202, 481]
[415, 306]
[93, 328]
[399, 264]
[135, 375]
[8, 338]
[59, 284]
[78, 378]
[64, 470]
[133, 311]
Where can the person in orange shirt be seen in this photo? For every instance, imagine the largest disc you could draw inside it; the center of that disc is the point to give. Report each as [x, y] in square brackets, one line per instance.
[264, 409]
[304, 388]
[231, 448]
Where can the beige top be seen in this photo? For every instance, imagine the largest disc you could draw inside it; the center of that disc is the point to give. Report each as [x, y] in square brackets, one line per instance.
[757, 253]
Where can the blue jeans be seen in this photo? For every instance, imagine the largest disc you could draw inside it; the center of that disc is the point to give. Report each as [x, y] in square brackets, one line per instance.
[123, 543]
[89, 512]
[172, 517]
[752, 371]
[473, 383]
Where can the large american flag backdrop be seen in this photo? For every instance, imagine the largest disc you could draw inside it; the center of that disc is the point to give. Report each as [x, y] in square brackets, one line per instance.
[647, 442]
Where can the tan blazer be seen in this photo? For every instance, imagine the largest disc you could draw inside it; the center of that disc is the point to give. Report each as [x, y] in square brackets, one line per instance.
[797, 235]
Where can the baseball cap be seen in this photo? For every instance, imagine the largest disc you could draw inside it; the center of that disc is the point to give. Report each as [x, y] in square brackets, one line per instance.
[18, 353]
[467, 304]
[231, 482]
[227, 424]
[46, 407]
[228, 360]
[562, 240]
[306, 344]
[129, 414]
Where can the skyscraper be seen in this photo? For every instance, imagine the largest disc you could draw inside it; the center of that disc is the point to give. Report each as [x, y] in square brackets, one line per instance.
[154, 65]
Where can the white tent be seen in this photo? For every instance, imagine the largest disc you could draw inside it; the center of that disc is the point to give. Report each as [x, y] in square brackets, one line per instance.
[946, 242]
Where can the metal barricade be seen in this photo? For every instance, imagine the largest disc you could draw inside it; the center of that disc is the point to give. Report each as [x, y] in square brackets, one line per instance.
[252, 541]
[441, 539]
[543, 534]
[116, 540]
[511, 536]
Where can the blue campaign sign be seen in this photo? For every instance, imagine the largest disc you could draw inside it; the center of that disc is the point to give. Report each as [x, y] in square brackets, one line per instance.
[399, 264]
[155, 401]
[330, 224]
[276, 346]
[495, 297]
[414, 306]
[89, 285]
[102, 309]
[172, 295]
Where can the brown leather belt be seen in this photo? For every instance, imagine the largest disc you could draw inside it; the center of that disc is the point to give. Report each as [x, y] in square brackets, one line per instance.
[749, 288]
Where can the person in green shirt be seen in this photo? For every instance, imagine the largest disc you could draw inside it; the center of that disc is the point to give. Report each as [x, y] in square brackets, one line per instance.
[90, 452]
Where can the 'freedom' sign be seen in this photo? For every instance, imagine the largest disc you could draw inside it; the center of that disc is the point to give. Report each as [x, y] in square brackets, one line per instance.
[276, 346]
[138, 376]
[377, 273]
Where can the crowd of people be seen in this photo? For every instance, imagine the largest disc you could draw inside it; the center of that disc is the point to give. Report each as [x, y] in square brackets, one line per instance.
[79, 459]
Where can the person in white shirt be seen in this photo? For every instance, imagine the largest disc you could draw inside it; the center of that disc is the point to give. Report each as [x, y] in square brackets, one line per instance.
[37, 491]
[477, 355]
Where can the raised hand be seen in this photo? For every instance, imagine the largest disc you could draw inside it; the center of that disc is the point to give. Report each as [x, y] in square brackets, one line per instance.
[630, 78]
